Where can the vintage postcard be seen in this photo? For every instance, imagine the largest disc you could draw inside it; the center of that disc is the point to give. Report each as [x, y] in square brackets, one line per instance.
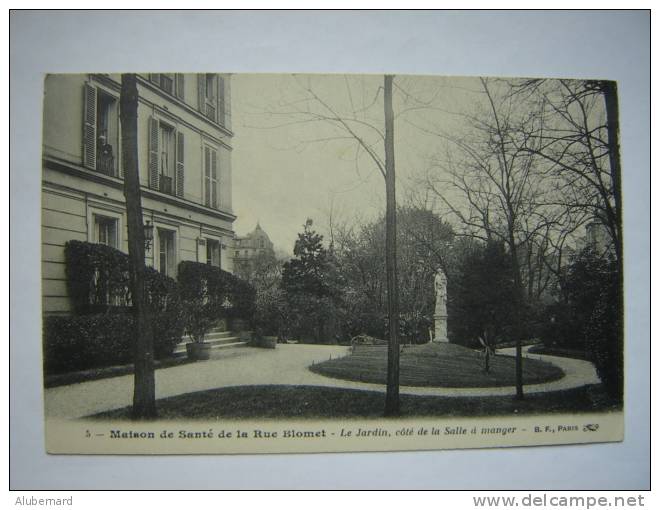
[243, 263]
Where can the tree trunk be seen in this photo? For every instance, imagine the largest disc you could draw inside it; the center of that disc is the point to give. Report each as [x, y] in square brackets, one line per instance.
[392, 395]
[518, 296]
[144, 390]
[612, 108]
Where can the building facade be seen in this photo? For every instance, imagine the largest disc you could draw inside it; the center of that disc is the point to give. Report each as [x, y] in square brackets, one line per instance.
[184, 161]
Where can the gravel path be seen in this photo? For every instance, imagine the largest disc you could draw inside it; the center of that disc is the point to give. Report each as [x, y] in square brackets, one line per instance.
[285, 365]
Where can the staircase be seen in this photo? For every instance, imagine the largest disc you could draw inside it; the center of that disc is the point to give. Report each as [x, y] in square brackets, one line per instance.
[218, 339]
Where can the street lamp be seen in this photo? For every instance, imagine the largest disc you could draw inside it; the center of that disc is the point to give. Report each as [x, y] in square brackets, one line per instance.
[148, 235]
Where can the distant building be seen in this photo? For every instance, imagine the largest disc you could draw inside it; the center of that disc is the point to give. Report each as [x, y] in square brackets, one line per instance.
[247, 248]
[596, 237]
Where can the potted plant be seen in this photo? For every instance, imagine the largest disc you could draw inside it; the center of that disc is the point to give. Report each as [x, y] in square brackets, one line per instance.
[197, 324]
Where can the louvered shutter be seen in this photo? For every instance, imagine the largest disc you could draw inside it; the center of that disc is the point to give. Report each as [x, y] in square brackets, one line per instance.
[153, 153]
[179, 164]
[118, 155]
[154, 78]
[221, 101]
[201, 92]
[89, 126]
[179, 86]
[207, 177]
[214, 179]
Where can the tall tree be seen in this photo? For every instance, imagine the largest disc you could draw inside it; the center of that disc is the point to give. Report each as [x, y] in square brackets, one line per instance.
[392, 395]
[312, 287]
[578, 142]
[144, 389]
[355, 126]
[503, 195]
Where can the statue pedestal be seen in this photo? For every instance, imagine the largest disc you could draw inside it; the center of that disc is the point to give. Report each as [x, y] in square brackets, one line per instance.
[440, 323]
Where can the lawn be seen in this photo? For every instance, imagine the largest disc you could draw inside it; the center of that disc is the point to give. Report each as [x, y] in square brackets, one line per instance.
[246, 402]
[436, 364]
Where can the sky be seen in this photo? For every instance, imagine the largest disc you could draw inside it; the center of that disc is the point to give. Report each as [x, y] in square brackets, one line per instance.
[288, 166]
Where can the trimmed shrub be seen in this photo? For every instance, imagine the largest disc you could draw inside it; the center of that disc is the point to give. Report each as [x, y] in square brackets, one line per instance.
[97, 277]
[101, 333]
[167, 312]
[210, 294]
[101, 340]
[88, 341]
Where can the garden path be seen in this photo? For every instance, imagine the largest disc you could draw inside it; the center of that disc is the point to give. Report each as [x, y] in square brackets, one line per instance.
[285, 365]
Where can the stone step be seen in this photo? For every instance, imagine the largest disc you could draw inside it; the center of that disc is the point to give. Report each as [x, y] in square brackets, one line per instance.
[219, 343]
[212, 335]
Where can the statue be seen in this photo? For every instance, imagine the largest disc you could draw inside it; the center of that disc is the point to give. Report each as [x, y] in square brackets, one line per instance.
[440, 315]
[440, 292]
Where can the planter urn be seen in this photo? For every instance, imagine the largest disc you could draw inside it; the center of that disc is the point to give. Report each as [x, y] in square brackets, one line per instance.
[198, 351]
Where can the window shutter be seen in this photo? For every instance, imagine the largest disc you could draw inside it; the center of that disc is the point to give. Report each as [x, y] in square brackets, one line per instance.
[118, 158]
[153, 153]
[179, 164]
[201, 92]
[214, 179]
[207, 177]
[89, 127]
[179, 86]
[154, 78]
[221, 101]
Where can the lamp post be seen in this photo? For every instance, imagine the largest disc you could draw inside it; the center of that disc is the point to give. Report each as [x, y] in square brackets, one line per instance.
[148, 235]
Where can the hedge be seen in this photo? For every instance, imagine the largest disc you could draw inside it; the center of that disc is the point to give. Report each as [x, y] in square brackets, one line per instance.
[98, 280]
[97, 277]
[99, 340]
[101, 331]
[211, 288]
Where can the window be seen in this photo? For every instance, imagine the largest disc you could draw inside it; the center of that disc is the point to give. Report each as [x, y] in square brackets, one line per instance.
[106, 133]
[213, 252]
[166, 252]
[166, 160]
[100, 131]
[237, 253]
[211, 97]
[169, 82]
[210, 177]
[105, 231]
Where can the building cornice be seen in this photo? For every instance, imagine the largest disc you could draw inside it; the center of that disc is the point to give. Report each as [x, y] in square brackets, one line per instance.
[117, 183]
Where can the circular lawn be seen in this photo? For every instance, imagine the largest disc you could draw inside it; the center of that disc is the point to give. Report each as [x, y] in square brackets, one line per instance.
[436, 364]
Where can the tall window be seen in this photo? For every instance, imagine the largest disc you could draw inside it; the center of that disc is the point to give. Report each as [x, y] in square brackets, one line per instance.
[166, 252]
[105, 231]
[167, 163]
[100, 130]
[167, 82]
[213, 252]
[210, 177]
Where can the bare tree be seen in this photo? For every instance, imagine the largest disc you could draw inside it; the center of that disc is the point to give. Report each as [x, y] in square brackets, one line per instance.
[354, 126]
[144, 390]
[493, 187]
[578, 141]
